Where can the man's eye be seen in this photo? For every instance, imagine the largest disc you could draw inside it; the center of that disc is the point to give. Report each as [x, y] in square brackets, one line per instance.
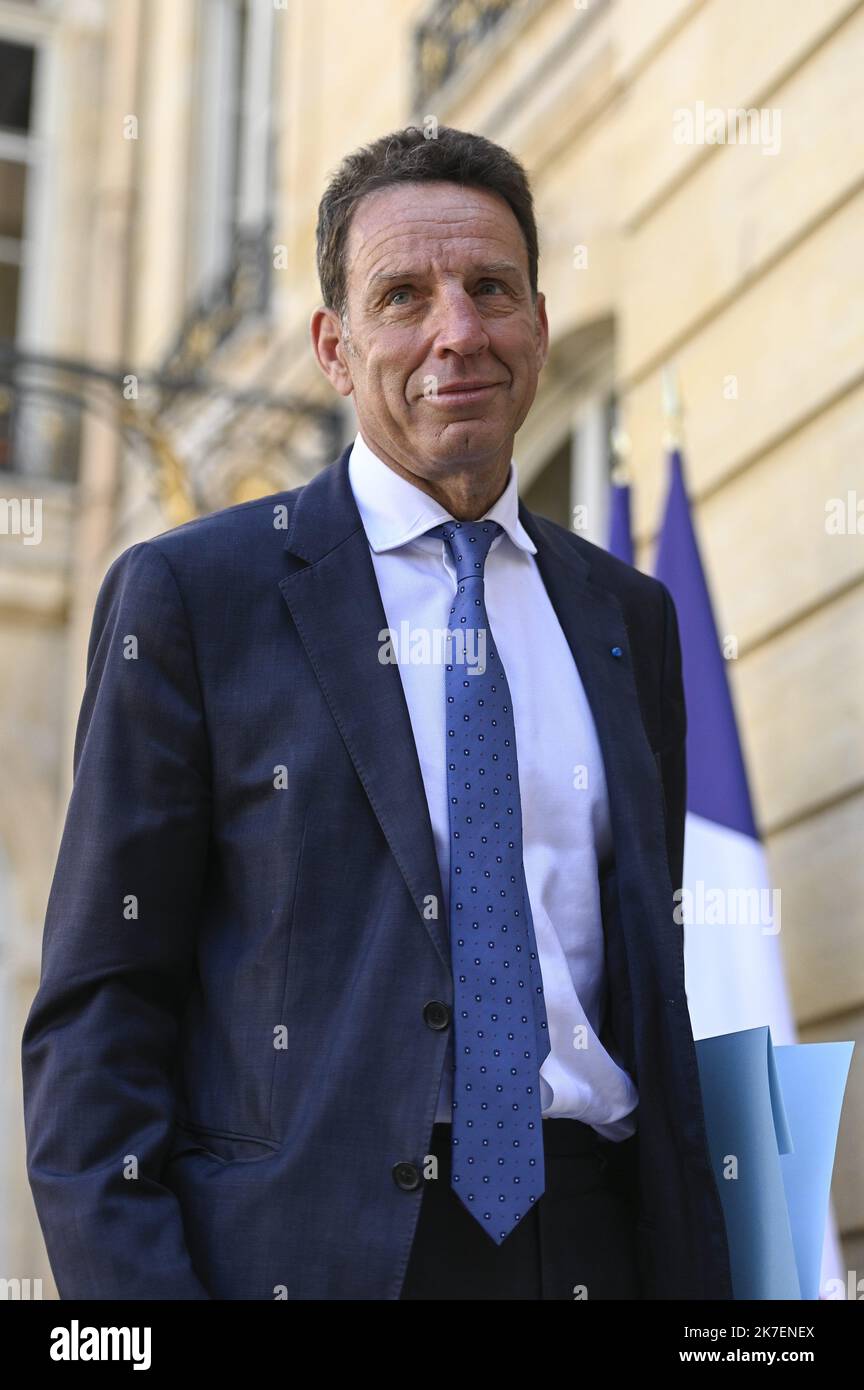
[406, 289]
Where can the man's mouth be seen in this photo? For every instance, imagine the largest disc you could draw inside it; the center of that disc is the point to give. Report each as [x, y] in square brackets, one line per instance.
[464, 395]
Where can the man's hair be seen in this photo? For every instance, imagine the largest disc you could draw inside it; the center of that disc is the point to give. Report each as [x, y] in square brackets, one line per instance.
[407, 156]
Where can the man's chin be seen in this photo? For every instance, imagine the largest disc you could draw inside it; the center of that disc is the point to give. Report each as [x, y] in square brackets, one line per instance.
[457, 460]
[468, 438]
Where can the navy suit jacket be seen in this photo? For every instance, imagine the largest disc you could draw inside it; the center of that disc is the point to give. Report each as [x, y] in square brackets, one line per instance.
[231, 1067]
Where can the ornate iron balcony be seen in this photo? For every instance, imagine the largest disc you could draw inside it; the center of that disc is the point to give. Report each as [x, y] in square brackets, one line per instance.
[452, 30]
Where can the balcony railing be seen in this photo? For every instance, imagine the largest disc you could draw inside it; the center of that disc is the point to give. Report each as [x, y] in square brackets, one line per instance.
[451, 32]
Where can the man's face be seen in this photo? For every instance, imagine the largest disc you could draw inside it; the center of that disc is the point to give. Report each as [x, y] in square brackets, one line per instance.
[438, 295]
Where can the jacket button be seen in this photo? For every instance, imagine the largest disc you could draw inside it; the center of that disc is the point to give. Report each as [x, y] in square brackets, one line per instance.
[436, 1014]
[406, 1176]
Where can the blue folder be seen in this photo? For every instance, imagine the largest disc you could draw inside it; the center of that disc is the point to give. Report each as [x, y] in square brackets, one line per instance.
[772, 1116]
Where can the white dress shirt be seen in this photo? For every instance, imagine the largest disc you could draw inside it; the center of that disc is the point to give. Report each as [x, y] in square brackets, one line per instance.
[565, 814]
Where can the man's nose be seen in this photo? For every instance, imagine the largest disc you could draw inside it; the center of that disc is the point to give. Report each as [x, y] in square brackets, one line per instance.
[458, 324]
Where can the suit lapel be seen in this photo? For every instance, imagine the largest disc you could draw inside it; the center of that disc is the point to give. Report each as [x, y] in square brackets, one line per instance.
[593, 623]
[334, 600]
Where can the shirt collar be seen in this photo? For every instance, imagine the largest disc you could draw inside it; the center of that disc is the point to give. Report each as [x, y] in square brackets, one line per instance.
[394, 511]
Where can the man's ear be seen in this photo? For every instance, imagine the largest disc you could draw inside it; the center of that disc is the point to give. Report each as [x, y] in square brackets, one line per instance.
[541, 324]
[329, 349]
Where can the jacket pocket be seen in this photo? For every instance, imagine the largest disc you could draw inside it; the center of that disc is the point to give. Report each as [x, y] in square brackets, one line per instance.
[221, 1145]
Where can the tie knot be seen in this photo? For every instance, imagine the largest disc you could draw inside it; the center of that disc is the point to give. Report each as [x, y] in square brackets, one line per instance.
[468, 542]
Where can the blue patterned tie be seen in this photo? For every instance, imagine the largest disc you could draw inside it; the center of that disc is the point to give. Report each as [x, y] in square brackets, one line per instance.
[501, 1030]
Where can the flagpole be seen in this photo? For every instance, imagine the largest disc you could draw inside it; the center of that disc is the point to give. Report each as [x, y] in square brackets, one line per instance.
[620, 542]
[673, 413]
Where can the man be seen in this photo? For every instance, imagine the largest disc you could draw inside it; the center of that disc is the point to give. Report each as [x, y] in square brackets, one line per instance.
[341, 998]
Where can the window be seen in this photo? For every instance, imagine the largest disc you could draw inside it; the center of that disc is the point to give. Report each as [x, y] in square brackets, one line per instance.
[230, 216]
[18, 173]
[17, 63]
[573, 487]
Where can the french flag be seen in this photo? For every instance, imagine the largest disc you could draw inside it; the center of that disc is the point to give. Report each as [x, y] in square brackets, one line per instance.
[734, 969]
